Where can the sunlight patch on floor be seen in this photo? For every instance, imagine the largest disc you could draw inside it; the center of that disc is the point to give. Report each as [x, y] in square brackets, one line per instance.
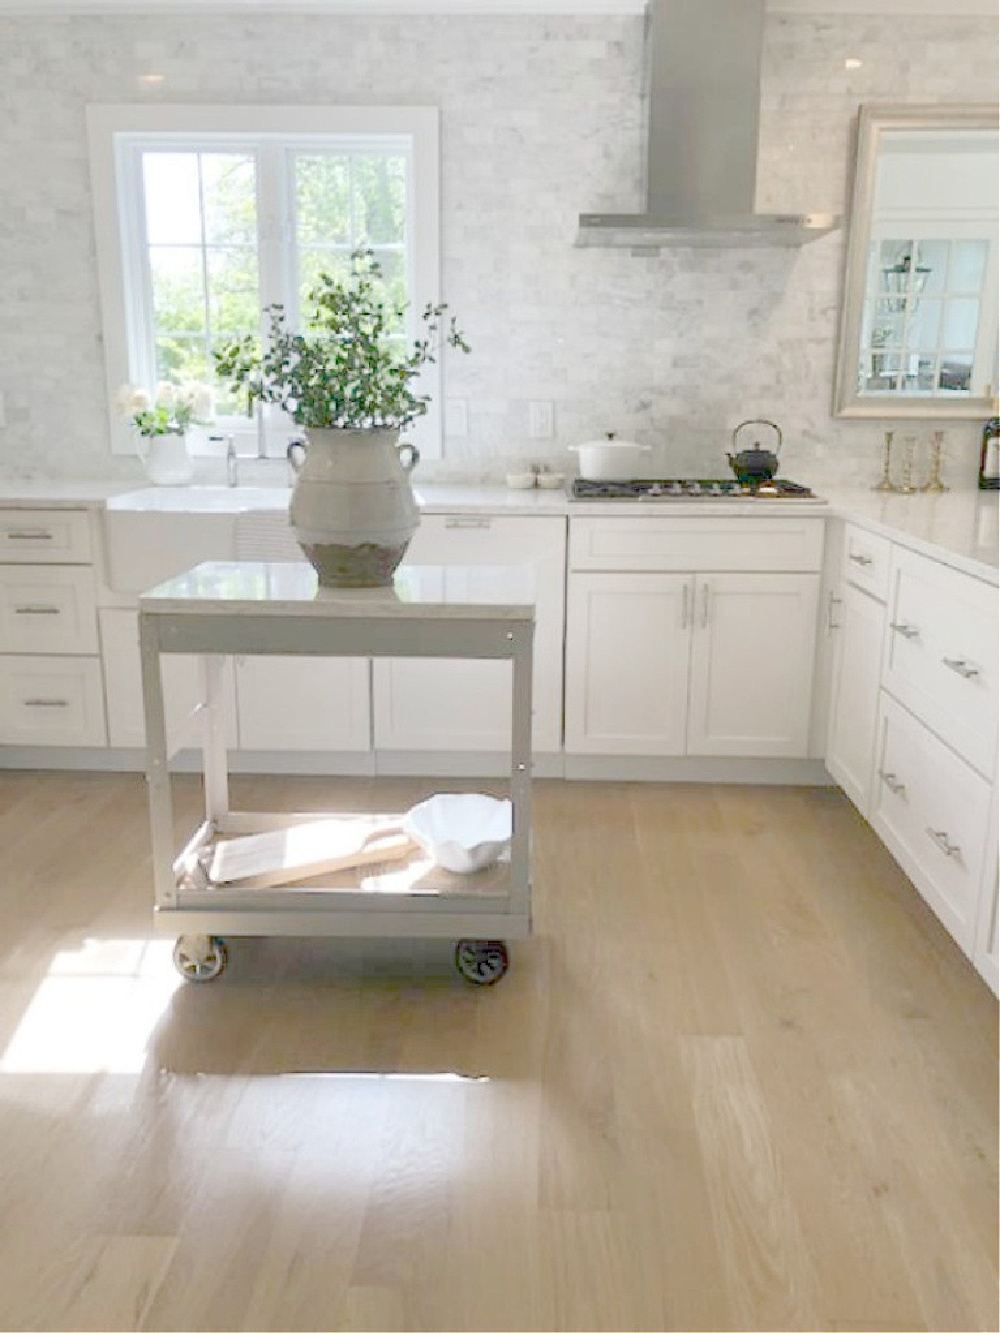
[95, 1010]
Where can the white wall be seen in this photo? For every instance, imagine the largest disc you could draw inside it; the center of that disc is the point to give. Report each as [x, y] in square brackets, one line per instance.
[540, 121]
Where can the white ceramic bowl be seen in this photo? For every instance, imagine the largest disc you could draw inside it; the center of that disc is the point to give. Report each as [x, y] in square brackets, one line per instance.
[463, 832]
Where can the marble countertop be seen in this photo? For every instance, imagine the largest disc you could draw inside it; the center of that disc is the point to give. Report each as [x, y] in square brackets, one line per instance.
[418, 591]
[958, 527]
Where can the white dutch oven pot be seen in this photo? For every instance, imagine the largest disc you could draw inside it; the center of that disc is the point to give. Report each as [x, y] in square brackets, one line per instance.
[610, 459]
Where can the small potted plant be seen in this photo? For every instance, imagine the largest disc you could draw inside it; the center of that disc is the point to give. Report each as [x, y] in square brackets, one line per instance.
[352, 389]
[161, 423]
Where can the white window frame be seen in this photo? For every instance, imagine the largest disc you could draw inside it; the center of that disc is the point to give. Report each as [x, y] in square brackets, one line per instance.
[115, 135]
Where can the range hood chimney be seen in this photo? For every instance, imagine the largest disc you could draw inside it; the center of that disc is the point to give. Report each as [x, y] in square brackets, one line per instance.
[703, 107]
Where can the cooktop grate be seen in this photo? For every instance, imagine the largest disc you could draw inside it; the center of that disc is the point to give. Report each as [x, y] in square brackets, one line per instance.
[682, 488]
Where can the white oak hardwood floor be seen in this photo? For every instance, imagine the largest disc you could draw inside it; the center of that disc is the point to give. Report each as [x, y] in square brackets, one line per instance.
[740, 1078]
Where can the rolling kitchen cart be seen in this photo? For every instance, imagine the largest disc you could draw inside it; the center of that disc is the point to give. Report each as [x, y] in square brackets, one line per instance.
[245, 607]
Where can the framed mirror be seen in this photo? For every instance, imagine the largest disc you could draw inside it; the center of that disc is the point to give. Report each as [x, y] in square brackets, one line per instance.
[918, 321]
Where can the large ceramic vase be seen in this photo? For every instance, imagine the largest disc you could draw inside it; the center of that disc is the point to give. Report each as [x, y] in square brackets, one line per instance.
[352, 509]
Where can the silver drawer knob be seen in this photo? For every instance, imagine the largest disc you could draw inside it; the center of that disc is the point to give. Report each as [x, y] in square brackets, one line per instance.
[940, 838]
[907, 631]
[893, 783]
[863, 560]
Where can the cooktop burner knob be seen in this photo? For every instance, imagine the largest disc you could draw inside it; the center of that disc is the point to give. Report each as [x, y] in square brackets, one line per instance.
[676, 488]
[715, 488]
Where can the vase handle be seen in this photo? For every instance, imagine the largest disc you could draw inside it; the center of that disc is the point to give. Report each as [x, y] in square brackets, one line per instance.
[141, 447]
[293, 457]
[408, 464]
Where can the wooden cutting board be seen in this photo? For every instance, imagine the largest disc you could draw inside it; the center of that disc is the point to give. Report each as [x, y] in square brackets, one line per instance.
[303, 851]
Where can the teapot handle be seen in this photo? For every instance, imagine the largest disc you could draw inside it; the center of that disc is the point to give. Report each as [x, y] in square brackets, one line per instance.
[293, 457]
[408, 464]
[759, 421]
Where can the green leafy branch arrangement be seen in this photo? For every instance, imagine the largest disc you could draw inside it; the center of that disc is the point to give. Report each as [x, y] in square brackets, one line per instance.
[345, 373]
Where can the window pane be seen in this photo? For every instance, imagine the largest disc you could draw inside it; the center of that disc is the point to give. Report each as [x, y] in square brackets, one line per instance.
[924, 324]
[178, 287]
[323, 200]
[173, 208]
[961, 319]
[380, 199]
[932, 256]
[228, 182]
[233, 289]
[887, 328]
[956, 372]
[968, 264]
[180, 358]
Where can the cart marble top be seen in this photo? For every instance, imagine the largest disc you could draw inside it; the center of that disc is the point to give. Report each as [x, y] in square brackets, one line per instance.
[252, 587]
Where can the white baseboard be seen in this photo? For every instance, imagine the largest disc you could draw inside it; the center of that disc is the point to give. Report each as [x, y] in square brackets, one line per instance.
[646, 768]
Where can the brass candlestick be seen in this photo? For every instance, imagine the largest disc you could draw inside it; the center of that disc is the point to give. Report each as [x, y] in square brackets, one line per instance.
[934, 482]
[886, 483]
[906, 486]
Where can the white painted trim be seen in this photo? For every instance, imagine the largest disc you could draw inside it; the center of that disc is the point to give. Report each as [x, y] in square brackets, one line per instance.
[418, 125]
[909, 8]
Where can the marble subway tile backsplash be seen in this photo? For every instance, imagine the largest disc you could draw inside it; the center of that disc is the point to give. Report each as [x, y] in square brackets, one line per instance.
[541, 120]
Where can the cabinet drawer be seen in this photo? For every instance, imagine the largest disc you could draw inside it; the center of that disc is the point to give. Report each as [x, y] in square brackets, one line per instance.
[940, 656]
[51, 701]
[47, 610]
[45, 536]
[932, 811]
[866, 561]
[679, 543]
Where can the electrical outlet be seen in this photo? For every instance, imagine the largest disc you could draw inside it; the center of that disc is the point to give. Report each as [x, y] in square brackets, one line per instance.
[541, 420]
[456, 417]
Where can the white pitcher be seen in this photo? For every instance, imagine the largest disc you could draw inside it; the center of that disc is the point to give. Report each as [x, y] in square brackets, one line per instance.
[352, 509]
[166, 459]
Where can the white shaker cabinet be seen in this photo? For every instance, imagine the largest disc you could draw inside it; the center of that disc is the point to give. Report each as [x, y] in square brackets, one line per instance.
[426, 706]
[663, 659]
[50, 672]
[318, 704]
[856, 675]
[628, 642]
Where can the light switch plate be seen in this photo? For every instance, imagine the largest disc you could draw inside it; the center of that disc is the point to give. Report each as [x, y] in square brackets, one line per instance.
[541, 420]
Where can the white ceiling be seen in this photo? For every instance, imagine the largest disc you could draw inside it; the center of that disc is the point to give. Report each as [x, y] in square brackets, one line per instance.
[23, 7]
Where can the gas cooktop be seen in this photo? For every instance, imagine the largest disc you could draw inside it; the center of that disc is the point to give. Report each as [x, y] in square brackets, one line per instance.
[684, 488]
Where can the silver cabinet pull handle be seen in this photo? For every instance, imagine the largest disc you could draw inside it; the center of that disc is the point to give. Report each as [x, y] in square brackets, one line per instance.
[893, 783]
[963, 668]
[36, 610]
[685, 598]
[29, 535]
[832, 601]
[705, 594]
[907, 631]
[479, 521]
[940, 838]
[46, 703]
[863, 560]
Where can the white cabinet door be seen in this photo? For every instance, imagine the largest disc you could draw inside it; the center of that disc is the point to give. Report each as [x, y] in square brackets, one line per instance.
[628, 641]
[182, 688]
[752, 664]
[303, 703]
[429, 705]
[850, 747]
[931, 809]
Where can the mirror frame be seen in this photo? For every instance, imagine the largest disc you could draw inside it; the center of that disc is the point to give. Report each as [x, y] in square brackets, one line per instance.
[873, 121]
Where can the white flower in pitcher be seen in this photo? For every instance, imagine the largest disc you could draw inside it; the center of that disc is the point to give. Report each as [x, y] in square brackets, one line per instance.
[140, 401]
[123, 398]
[166, 394]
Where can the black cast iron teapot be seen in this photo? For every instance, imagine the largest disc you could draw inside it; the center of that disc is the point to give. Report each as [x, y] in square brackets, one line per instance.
[756, 464]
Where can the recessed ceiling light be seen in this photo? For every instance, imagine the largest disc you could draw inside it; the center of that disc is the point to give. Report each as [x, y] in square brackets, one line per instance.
[852, 62]
[151, 78]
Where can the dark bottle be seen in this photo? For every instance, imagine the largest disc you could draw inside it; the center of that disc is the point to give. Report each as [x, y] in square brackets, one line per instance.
[989, 456]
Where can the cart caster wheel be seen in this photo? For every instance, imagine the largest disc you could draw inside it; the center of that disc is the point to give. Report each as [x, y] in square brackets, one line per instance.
[200, 957]
[483, 962]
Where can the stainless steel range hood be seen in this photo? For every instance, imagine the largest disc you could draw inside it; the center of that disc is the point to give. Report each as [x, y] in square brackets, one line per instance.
[703, 101]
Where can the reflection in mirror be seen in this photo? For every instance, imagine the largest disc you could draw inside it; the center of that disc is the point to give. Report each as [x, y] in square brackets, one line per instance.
[918, 333]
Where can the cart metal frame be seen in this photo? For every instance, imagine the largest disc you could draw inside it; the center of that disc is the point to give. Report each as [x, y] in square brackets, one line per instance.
[247, 607]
